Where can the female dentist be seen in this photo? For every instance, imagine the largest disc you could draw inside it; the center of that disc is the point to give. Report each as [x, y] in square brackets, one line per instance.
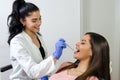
[28, 53]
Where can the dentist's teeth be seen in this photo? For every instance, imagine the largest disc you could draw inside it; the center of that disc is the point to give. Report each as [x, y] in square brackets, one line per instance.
[37, 27]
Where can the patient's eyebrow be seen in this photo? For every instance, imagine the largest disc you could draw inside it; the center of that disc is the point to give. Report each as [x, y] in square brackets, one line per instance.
[83, 40]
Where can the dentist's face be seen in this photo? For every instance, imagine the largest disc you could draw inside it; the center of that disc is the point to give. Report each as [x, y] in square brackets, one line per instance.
[32, 22]
[83, 47]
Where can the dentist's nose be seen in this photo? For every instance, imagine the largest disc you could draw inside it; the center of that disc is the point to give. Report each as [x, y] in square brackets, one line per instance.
[39, 22]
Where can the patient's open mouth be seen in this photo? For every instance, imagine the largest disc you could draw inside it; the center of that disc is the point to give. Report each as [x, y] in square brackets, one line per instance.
[78, 50]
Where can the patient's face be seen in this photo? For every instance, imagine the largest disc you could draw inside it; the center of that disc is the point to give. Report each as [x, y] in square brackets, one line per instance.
[83, 48]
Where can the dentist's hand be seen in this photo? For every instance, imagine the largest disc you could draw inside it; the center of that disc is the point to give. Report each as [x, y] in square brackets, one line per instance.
[44, 78]
[59, 48]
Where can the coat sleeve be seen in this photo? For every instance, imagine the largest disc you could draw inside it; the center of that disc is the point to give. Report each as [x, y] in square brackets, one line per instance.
[32, 69]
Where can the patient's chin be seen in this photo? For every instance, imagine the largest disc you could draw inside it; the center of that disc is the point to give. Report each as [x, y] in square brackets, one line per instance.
[78, 58]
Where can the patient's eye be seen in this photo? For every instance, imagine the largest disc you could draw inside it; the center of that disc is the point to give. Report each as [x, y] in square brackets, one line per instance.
[83, 41]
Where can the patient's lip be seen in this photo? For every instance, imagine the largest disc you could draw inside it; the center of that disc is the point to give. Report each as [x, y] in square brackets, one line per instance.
[76, 51]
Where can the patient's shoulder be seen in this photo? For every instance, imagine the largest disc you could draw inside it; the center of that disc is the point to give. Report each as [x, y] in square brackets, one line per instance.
[64, 65]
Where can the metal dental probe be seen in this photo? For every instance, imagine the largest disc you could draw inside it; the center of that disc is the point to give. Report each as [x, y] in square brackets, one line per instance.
[70, 47]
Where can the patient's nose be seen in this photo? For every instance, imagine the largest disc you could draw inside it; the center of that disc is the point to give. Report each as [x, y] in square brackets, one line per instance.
[77, 44]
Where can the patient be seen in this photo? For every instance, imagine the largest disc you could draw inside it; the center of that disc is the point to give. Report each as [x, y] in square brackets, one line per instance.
[92, 60]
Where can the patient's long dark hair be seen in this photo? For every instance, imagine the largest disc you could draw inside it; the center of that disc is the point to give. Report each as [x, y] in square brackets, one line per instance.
[99, 63]
[20, 10]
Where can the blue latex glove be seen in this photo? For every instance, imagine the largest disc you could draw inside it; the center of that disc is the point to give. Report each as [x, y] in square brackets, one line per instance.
[59, 48]
[44, 78]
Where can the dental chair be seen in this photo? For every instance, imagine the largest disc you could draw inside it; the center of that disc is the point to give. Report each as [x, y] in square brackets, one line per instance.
[4, 69]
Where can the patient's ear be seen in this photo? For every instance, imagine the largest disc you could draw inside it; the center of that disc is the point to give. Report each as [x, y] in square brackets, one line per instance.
[64, 65]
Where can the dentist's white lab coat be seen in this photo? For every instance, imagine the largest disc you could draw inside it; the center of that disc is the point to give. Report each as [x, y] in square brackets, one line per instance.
[26, 59]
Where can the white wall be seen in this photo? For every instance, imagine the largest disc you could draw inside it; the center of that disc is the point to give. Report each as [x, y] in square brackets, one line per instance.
[117, 42]
[4, 47]
[60, 18]
[103, 16]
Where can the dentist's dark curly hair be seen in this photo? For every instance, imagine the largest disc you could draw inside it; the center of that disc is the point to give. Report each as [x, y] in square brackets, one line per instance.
[20, 10]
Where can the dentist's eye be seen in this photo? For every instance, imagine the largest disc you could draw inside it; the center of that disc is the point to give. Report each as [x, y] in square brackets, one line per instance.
[33, 21]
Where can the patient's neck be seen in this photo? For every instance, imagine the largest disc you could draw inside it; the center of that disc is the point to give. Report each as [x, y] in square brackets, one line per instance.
[83, 65]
